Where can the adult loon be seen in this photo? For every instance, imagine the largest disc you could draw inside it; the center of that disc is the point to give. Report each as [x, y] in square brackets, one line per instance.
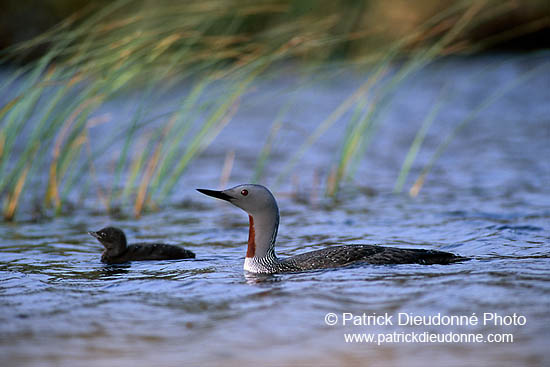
[117, 252]
[263, 214]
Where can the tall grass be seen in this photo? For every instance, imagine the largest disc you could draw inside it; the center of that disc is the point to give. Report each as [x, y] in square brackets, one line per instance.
[53, 127]
[485, 103]
[429, 41]
[56, 133]
[440, 35]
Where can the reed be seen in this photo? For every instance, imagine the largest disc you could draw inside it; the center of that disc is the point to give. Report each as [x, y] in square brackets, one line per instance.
[440, 35]
[57, 136]
[488, 101]
[417, 143]
[94, 57]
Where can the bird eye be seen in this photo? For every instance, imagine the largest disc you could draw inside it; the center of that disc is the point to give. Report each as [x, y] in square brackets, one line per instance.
[244, 192]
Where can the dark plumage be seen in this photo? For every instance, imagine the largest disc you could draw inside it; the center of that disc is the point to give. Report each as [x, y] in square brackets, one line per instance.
[117, 252]
[337, 256]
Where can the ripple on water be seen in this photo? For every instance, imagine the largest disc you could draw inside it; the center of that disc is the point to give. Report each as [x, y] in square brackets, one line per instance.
[489, 202]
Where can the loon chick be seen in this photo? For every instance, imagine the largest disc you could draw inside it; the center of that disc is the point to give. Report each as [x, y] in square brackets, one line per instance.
[263, 214]
[116, 251]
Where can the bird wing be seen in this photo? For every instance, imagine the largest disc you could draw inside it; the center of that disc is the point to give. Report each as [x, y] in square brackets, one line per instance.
[335, 256]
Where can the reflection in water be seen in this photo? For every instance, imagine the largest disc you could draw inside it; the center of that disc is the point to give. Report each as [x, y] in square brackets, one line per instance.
[488, 202]
[252, 278]
[113, 270]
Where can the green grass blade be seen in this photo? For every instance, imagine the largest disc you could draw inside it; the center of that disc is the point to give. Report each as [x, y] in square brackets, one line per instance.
[417, 143]
[482, 106]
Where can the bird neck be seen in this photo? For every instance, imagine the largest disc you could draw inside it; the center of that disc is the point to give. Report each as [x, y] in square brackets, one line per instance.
[114, 250]
[262, 234]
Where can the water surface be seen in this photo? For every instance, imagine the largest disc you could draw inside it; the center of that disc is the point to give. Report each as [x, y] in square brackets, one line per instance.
[488, 198]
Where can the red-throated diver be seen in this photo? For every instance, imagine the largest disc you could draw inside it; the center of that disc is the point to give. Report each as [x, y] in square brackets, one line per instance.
[263, 214]
[116, 251]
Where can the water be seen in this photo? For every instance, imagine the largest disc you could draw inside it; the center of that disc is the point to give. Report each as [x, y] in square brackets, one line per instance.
[488, 198]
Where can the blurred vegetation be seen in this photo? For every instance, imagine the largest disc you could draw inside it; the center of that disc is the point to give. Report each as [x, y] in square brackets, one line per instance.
[95, 51]
[500, 24]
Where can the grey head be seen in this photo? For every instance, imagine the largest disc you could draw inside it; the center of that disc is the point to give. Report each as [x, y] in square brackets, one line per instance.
[254, 199]
[112, 238]
[263, 211]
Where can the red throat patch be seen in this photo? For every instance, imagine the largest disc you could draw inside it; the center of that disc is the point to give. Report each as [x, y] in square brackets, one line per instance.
[251, 239]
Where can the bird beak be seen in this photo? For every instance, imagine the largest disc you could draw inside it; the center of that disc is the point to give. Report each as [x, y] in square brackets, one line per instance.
[216, 194]
[93, 234]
